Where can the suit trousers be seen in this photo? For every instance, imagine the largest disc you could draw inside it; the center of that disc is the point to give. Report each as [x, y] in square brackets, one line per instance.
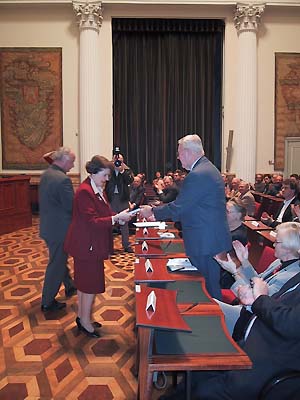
[118, 205]
[210, 270]
[57, 272]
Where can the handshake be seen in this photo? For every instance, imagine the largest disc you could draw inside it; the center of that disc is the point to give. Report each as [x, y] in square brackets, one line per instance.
[126, 215]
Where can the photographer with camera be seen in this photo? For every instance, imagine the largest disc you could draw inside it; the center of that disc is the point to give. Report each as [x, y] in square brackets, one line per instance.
[118, 192]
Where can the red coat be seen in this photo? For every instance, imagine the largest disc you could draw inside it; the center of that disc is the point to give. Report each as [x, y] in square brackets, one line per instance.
[90, 233]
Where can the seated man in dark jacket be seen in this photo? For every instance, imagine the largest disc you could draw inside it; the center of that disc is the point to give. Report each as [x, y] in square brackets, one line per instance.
[268, 332]
[137, 193]
[169, 192]
[285, 213]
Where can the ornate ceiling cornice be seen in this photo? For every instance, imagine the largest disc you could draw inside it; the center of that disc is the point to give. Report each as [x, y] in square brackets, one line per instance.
[286, 3]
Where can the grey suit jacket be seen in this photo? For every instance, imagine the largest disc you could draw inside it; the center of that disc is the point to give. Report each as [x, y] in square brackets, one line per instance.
[275, 282]
[200, 207]
[55, 201]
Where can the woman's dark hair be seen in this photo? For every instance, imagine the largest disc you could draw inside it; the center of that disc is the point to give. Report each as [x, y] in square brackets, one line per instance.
[97, 164]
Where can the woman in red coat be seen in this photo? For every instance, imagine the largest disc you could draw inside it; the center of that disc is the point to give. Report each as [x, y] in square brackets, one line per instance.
[89, 238]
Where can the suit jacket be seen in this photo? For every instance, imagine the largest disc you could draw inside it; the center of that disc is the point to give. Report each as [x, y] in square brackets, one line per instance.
[122, 181]
[55, 201]
[275, 282]
[169, 194]
[90, 233]
[137, 195]
[273, 345]
[249, 203]
[200, 207]
[287, 215]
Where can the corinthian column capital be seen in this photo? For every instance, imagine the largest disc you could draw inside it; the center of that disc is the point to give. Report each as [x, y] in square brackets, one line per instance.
[247, 16]
[89, 13]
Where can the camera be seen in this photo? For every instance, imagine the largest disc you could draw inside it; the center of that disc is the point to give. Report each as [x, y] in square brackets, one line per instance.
[117, 161]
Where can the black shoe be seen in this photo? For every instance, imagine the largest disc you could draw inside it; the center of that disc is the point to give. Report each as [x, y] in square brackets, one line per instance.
[93, 334]
[129, 249]
[54, 306]
[71, 292]
[95, 324]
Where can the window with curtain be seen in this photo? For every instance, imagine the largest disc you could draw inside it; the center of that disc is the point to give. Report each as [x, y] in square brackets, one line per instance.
[167, 83]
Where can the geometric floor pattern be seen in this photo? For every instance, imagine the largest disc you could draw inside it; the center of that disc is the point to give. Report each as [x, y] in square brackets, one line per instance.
[43, 356]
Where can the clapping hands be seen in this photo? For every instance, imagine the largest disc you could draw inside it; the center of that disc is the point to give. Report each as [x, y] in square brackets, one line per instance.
[228, 265]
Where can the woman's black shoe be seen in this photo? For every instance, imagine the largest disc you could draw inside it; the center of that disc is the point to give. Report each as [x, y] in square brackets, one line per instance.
[95, 324]
[93, 334]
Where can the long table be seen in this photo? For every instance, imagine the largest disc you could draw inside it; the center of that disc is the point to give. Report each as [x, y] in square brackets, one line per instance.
[188, 341]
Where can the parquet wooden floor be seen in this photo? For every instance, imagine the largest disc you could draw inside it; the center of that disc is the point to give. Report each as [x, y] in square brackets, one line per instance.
[43, 356]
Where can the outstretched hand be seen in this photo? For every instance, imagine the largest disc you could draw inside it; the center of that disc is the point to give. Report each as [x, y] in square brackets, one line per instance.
[146, 212]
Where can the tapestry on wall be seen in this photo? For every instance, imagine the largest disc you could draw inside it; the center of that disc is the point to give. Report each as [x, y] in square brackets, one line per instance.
[31, 105]
[287, 102]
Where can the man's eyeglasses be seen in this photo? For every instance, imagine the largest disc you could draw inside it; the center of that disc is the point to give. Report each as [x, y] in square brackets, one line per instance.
[276, 242]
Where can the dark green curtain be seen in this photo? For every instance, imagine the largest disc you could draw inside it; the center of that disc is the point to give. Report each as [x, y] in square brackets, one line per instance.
[167, 77]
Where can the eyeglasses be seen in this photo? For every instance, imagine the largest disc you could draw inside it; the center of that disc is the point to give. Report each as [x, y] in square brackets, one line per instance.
[276, 242]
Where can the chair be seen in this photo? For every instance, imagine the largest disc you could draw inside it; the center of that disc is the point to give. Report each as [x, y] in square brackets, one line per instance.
[285, 386]
[228, 296]
[266, 258]
[258, 210]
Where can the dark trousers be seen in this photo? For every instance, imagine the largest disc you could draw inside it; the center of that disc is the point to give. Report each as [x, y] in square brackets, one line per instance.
[210, 270]
[119, 205]
[57, 272]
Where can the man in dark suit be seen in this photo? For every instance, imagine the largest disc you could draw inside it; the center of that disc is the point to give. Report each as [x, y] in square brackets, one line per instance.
[200, 207]
[285, 213]
[137, 193]
[118, 193]
[270, 337]
[169, 191]
[56, 202]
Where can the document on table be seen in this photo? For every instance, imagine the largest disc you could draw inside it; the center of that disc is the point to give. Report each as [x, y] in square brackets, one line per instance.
[180, 264]
[150, 224]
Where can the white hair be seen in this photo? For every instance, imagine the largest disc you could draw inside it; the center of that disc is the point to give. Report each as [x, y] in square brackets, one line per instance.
[61, 153]
[193, 143]
[291, 235]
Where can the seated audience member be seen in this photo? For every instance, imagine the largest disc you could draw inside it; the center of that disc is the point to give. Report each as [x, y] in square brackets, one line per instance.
[276, 184]
[142, 175]
[236, 213]
[246, 198]
[267, 330]
[233, 188]
[294, 178]
[267, 182]
[287, 247]
[225, 179]
[137, 193]
[169, 192]
[259, 185]
[157, 180]
[285, 213]
[177, 179]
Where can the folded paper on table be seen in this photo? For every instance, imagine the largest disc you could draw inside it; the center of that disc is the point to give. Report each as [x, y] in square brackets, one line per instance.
[150, 224]
[180, 264]
[166, 235]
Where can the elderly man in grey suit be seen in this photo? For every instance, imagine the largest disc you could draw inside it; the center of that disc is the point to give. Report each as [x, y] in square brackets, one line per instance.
[56, 201]
[200, 207]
